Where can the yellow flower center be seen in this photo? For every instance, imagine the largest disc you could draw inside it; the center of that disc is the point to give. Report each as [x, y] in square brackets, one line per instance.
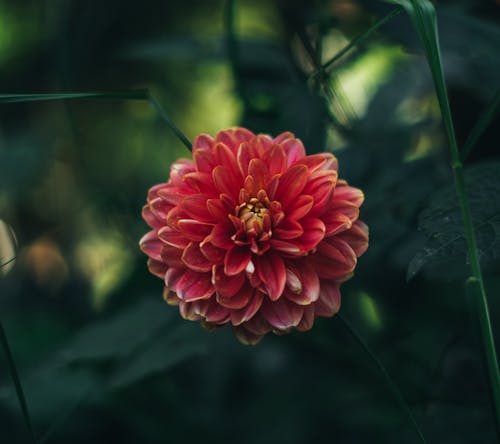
[252, 214]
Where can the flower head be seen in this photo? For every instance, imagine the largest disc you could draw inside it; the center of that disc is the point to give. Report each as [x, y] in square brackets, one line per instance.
[252, 232]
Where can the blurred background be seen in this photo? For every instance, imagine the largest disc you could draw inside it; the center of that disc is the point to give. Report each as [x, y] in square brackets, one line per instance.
[102, 358]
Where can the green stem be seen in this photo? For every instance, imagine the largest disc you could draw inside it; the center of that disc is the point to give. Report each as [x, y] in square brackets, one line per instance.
[485, 119]
[17, 382]
[424, 16]
[360, 38]
[139, 94]
[387, 377]
[12, 259]
[180, 135]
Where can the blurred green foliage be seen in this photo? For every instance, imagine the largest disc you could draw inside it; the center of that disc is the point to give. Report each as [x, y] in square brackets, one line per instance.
[102, 358]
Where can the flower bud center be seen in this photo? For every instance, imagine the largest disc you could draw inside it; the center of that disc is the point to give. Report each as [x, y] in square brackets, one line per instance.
[253, 213]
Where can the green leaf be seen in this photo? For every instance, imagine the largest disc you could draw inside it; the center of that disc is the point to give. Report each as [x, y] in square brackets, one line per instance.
[441, 223]
[141, 94]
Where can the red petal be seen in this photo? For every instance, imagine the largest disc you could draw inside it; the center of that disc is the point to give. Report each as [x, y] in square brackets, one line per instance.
[248, 312]
[321, 188]
[314, 232]
[353, 195]
[307, 320]
[294, 150]
[328, 303]
[271, 270]
[227, 286]
[335, 222]
[217, 314]
[194, 259]
[219, 209]
[193, 229]
[345, 207]
[200, 182]
[150, 218]
[172, 276]
[282, 314]
[234, 137]
[173, 237]
[236, 260]
[160, 208]
[172, 256]
[356, 237]
[283, 136]
[308, 290]
[193, 286]
[321, 161]
[204, 160]
[224, 156]
[334, 259]
[157, 268]
[151, 245]
[203, 141]
[291, 184]
[226, 182]
[196, 207]
[213, 254]
[258, 170]
[288, 229]
[276, 160]
[300, 207]
[237, 301]
[220, 235]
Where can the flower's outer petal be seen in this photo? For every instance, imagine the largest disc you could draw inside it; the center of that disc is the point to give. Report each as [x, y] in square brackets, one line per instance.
[173, 237]
[294, 150]
[334, 259]
[335, 222]
[204, 160]
[153, 191]
[271, 270]
[246, 313]
[291, 185]
[217, 314]
[227, 286]
[196, 207]
[203, 141]
[307, 320]
[245, 336]
[282, 314]
[224, 156]
[276, 160]
[193, 286]
[236, 260]
[302, 283]
[320, 161]
[201, 182]
[194, 259]
[321, 187]
[356, 237]
[158, 268]
[193, 229]
[172, 256]
[233, 137]
[351, 194]
[150, 218]
[151, 245]
[328, 303]
[283, 136]
[344, 207]
[170, 297]
[314, 232]
[160, 208]
[172, 276]
[238, 300]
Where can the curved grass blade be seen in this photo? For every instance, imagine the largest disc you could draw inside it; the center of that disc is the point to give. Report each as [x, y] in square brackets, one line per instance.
[12, 259]
[17, 382]
[387, 377]
[360, 38]
[139, 94]
[423, 16]
[481, 125]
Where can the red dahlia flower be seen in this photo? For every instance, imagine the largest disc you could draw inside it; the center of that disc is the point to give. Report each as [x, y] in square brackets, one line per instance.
[254, 233]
